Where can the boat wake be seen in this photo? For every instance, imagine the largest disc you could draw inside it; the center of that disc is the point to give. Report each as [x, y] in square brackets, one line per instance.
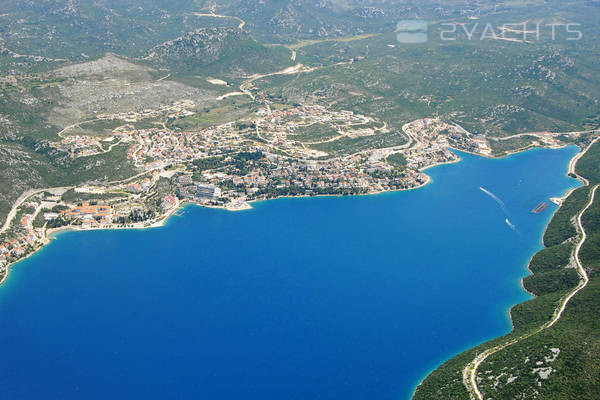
[502, 205]
[511, 225]
[496, 199]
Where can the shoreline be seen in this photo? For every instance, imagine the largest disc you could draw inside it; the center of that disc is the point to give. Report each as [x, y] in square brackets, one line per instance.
[50, 234]
[570, 170]
[470, 379]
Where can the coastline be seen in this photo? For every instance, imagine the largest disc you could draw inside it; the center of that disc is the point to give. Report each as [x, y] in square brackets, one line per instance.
[439, 176]
[50, 234]
[427, 181]
[568, 192]
[571, 173]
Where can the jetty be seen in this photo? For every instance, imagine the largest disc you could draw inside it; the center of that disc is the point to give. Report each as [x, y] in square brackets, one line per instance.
[540, 208]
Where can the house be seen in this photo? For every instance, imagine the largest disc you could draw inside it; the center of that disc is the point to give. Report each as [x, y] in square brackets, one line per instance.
[168, 202]
[86, 211]
[206, 192]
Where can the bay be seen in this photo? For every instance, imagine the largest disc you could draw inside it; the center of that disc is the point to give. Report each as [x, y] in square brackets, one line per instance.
[312, 298]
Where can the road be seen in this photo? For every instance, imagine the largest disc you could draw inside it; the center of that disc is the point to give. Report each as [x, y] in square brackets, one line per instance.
[298, 68]
[538, 133]
[25, 196]
[213, 15]
[60, 134]
[470, 370]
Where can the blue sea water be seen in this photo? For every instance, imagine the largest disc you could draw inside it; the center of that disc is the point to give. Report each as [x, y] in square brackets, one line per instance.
[323, 298]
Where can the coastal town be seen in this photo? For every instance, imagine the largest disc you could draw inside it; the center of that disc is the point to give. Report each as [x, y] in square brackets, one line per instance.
[281, 151]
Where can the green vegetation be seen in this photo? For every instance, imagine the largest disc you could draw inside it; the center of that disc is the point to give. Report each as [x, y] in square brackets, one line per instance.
[574, 369]
[561, 228]
[589, 166]
[223, 51]
[234, 108]
[64, 29]
[239, 163]
[96, 128]
[490, 87]
[346, 145]
[317, 132]
[551, 257]
[39, 220]
[397, 160]
[207, 163]
[71, 196]
[548, 85]
[304, 43]
[502, 147]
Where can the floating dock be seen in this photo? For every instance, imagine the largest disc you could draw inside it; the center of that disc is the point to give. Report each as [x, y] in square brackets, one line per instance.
[540, 208]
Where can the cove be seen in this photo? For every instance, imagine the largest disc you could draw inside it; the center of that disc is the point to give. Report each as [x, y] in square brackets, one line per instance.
[318, 298]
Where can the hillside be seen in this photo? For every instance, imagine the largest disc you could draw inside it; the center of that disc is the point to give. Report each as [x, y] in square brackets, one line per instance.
[35, 108]
[226, 51]
[560, 362]
[307, 18]
[83, 82]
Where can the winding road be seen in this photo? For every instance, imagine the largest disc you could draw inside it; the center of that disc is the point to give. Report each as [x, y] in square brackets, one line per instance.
[213, 15]
[470, 370]
[537, 133]
[13, 211]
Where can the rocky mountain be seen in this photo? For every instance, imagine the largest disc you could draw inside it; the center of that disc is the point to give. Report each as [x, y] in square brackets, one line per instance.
[225, 51]
[320, 18]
